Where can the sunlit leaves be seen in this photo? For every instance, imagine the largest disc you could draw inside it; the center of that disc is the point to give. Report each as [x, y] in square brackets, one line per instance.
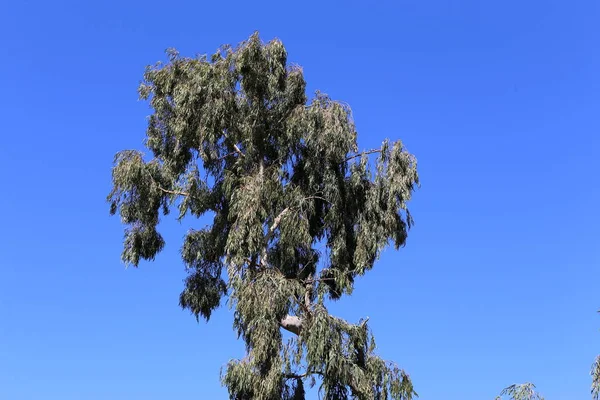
[234, 138]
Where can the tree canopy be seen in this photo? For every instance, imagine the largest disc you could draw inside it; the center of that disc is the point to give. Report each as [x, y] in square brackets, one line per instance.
[524, 391]
[298, 212]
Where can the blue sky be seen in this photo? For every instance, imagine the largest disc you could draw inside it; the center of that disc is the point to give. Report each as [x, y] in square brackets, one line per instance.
[498, 100]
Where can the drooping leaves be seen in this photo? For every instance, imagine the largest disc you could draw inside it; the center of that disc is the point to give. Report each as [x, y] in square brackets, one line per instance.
[234, 137]
[525, 391]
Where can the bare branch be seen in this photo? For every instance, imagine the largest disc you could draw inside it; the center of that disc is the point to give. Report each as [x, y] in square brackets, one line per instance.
[226, 155]
[167, 191]
[235, 146]
[302, 376]
[364, 153]
[237, 149]
[276, 222]
[174, 192]
[308, 291]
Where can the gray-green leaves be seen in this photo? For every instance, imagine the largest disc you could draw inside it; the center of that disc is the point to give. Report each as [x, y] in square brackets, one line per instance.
[595, 373]
[525, 391]
[235, 138]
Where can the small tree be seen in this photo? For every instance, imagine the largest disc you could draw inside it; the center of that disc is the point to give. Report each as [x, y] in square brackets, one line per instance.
[525, 391]
[297, 214]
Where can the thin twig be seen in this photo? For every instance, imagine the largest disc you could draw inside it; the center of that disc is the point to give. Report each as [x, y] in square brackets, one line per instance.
[226, 155]
[175, 192]
[364, 153]
[301, 376]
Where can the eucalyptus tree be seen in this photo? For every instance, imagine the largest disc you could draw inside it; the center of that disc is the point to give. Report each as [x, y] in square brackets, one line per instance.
[297, 210]
[524, 391]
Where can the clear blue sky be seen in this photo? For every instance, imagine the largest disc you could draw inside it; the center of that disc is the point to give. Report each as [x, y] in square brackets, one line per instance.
[499, 100]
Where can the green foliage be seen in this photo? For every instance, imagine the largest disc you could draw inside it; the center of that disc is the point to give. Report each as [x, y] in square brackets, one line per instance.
[525, 391]
[595, 372]
[235, 138]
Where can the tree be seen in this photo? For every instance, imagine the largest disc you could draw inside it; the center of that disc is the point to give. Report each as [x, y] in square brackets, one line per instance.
[595, 373]
[298, 212]
[525, 391]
